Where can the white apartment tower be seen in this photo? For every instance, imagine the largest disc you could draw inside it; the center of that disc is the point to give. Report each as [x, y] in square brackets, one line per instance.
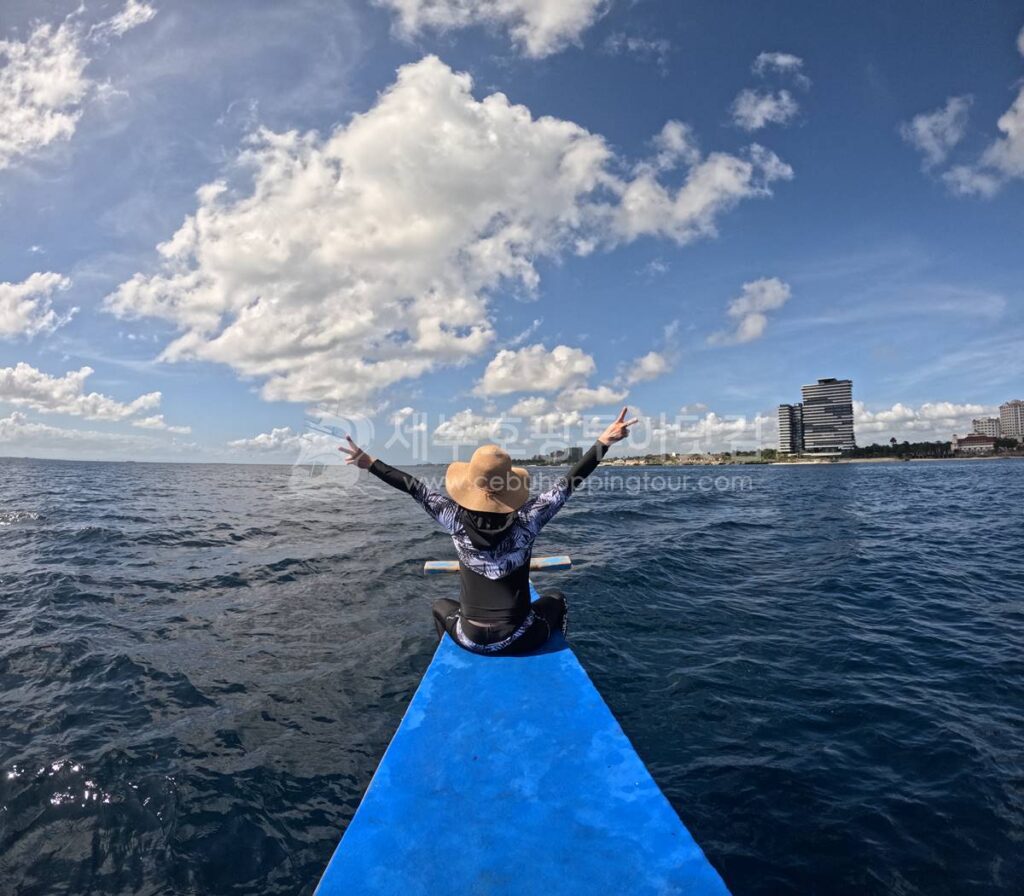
[1011, 419]
[987, 426]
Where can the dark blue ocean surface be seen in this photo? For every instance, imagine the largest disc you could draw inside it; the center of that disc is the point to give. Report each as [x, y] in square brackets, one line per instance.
[200, 667]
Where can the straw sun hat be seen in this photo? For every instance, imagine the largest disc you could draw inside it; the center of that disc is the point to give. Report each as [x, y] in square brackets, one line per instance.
[488, 483]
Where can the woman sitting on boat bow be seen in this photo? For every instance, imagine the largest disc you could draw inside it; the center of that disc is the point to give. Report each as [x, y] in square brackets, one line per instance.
[493, 522]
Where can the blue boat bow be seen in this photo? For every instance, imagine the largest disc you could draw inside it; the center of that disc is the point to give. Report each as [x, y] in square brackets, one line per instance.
[510, 775]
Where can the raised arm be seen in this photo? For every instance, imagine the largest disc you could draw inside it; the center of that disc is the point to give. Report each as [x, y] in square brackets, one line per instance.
[585, 466]
[541, 509]
[441, 508]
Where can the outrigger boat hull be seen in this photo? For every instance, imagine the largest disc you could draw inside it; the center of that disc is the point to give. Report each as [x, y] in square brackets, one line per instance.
[510, 775]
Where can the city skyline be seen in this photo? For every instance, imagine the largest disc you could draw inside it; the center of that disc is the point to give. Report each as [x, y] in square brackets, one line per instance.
[824, 422]
[350, 212]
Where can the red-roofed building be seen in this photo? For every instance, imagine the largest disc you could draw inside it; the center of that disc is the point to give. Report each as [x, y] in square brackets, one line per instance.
[974, 444]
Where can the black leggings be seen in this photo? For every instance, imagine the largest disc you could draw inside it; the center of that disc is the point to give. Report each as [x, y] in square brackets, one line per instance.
[550, 612]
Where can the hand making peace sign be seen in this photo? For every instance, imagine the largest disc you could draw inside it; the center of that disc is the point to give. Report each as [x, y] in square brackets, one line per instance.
[356, 455]
[618, 430]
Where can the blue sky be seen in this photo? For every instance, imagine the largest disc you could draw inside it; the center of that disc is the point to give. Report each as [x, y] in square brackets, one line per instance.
[429, 218]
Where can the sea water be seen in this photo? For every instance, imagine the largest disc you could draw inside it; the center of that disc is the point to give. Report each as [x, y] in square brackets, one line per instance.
[823, 667]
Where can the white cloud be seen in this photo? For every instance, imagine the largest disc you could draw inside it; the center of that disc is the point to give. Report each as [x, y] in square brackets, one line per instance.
[470, 428]
[930, 421]
[784, 63]
[563, 369]
[538, 27]
[755, 109]
[278, 439]
[530, 406]
[1002, 160]
[712, 186]
[656, 363]
[654, 268]
[699, 434]
[17, 427]
[648, 367]
[43, 82]
[135, 13]
[525, 334]
[467, 427]
[404, 420]
[781, 64]
[554, 423]
[42, 87]
[656, 49]
[25, 307]
[934, 134]
[284, 440]
[969, 180]
[535, 369]
[676, 144]
[750, 308]
[25, 386]
[368, 257]
[18, 433]
[583, 397]
[157, 421]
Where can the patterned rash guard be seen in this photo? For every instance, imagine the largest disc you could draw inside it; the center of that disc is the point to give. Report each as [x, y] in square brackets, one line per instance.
[494, 548]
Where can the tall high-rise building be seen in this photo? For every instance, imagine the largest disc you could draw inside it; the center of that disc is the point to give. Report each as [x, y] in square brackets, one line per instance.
[566, 455]
[828, 416]
[791, 428]
[1011, 419]
[987, 426]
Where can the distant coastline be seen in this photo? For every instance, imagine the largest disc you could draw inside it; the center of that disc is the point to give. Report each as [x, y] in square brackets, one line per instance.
[888, 460]
[712, 461]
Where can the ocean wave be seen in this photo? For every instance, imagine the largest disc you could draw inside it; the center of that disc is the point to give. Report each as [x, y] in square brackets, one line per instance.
[11, 517]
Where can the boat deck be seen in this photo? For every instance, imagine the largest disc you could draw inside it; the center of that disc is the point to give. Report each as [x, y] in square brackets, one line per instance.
[510, 775]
